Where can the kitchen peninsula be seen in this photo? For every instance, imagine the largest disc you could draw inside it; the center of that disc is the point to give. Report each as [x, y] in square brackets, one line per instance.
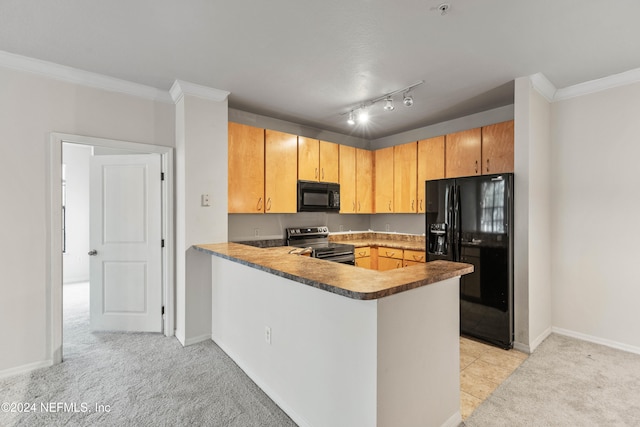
[337, 345]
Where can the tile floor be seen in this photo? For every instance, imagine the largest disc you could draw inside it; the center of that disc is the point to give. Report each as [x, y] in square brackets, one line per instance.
[482, 369]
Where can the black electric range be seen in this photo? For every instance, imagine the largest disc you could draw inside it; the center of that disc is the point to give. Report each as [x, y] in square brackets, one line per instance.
[317, 240]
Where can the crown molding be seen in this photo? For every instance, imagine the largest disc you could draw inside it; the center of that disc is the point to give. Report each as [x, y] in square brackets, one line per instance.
[543, 86]
[180, 88]
[593, 86]
[81, 77]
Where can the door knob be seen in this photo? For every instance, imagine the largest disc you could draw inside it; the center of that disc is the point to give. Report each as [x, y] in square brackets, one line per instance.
[93, 252]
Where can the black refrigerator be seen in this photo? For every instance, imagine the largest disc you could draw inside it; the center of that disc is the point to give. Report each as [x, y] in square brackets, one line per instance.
[470, 220]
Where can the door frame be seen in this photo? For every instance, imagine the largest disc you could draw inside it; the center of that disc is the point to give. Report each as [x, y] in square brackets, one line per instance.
[54, 287]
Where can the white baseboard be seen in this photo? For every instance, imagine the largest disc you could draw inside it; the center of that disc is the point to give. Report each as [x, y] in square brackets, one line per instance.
[454, 421]
[596, 340]
[530, 348]
[195, 340]
[180, 337]
[25, 368]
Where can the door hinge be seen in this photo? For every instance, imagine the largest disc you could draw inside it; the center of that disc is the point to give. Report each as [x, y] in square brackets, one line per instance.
[163, 309]
[162, 243]
[161, 176]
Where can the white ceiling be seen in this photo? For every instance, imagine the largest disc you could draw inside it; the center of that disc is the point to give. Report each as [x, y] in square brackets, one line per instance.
[308, 62]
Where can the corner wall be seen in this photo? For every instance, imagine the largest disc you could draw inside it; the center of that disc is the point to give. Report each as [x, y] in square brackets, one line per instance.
[31, 107]
[595, 233]
[532, 251]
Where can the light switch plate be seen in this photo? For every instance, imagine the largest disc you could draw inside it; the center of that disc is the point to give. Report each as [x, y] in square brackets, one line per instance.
[204, 200]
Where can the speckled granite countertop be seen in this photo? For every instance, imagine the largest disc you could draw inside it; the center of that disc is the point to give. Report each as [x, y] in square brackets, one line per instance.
[412, 242]
[341, 279]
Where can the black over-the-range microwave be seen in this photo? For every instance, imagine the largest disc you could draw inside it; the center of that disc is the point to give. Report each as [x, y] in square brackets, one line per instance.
[318, 196]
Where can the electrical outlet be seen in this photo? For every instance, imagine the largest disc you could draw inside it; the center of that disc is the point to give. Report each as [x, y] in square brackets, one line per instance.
[267, 334]
[341, 227]
[256, 232]
[386, 227]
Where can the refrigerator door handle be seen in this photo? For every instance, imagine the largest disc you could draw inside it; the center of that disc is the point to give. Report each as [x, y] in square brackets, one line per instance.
[450, 222]
[458, 223]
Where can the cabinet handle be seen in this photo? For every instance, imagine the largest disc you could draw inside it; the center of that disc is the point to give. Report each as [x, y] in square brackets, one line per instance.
[269, 204]
[420, 205]
[413, 202]
[476, 166]
[487, 165]
[354, 205]
[323, 174]
[398, 264]
[259, 207]
[316, 173]
[359, 207]
[389, 205]
[362, 253]
[389, 256]
[418, 258]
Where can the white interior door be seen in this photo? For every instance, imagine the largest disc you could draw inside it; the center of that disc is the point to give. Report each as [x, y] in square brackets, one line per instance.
[126, 239]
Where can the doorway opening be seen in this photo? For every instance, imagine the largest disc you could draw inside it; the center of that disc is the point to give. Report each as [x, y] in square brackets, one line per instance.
[69, 247]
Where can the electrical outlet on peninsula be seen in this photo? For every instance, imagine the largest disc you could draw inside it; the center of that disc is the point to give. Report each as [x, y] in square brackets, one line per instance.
[267, 334]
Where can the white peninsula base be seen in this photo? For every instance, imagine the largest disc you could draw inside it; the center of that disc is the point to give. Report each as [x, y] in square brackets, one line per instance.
[329, 360]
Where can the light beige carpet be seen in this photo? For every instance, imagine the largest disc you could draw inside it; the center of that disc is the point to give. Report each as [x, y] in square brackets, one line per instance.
[143, 380]
[566, 382]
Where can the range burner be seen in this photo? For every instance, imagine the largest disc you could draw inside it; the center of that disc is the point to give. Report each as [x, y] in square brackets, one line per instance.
[317, 238]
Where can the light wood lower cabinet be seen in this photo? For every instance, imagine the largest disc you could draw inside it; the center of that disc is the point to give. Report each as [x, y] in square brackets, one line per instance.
[389, 258]
[412, 257]
[363, 257]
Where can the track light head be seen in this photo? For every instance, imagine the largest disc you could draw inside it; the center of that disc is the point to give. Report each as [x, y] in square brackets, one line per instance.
[363, 116]
[407, 100]
[351, 120]
[388, 104]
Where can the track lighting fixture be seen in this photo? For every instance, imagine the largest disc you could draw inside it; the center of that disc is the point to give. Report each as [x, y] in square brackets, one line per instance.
[407, 99]
[388, 104]
[351, 120]
[362, 113]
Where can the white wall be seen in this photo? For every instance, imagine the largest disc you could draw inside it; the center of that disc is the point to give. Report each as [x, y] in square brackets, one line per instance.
[201, 168]
[595, 211]
[75, 259]
[532, 251]
[31, 107]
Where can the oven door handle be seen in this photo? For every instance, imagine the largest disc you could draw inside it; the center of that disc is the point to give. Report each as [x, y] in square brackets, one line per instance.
[345, 259]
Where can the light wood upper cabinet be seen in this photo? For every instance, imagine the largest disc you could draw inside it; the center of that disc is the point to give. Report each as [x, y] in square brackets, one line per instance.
[329, 155]
[405, 178]
[308, 159]
[317, 160]
[430, 165]
[364, 181]
[497, 148]
[281, 177]
[246, 169]
[383, 161]
[347, 179]
[463, 153]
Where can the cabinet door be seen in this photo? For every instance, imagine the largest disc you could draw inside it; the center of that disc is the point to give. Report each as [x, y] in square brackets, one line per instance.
[347, 179]
[497, 148]
[430, 165]
[281, 172]
[385, 263]
[329, 154]
[308, 159]
[363, 262]
[405, 178]
[246, 169]
[463, 153]
[364, 181]
[383, 159]
[414, 256]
